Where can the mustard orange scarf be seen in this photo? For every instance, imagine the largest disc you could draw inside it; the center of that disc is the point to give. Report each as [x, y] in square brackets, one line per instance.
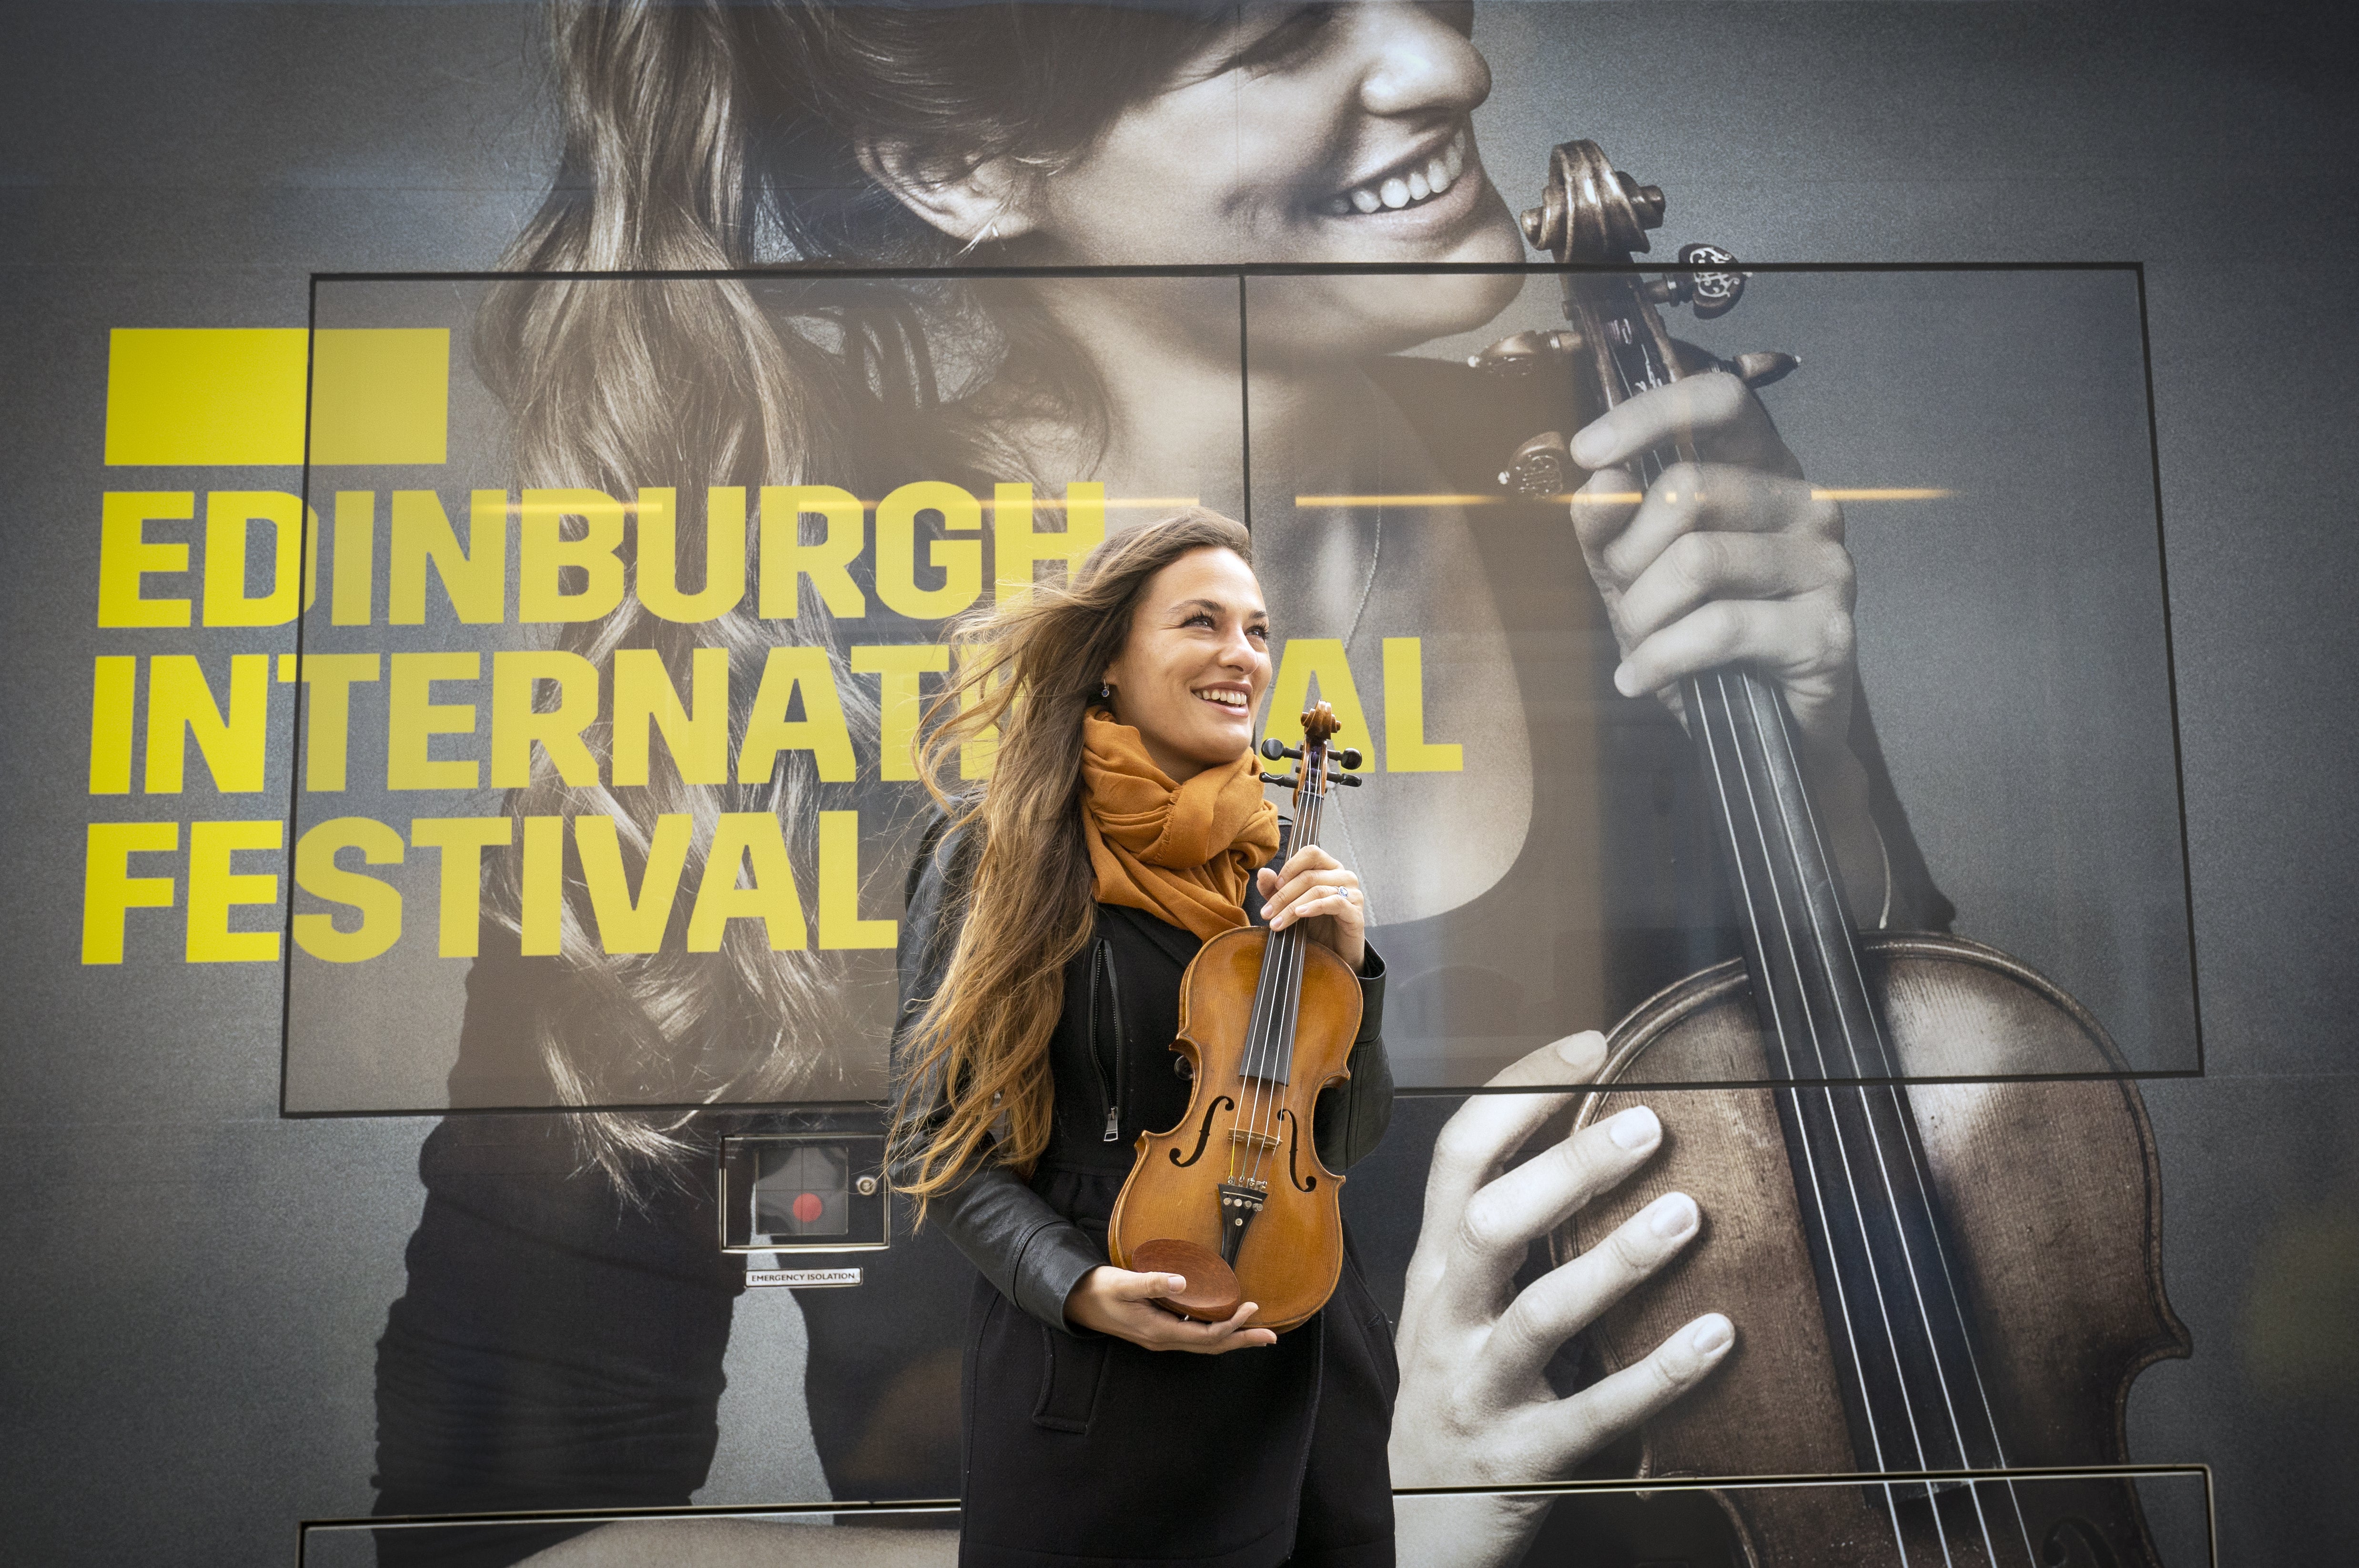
[1184, 853]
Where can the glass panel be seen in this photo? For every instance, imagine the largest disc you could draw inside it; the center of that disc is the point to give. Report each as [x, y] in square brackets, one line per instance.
[509, 721]
[2158, 1517]
[510, 727]
[1540, 848]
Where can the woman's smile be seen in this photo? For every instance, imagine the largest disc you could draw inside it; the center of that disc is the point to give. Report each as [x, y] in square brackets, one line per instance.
[1323, 134]
[1415, 181]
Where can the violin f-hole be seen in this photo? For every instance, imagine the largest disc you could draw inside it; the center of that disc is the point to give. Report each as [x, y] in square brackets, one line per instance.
[1293, 1148]
[1204, 1133]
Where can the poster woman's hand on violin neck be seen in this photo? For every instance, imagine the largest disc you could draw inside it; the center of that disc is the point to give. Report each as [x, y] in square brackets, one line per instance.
[1730, 559]
[1475, 1406]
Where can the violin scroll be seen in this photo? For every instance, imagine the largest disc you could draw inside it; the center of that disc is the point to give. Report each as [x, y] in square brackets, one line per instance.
[1592, 216]
[1347, 757]
[1590, 211]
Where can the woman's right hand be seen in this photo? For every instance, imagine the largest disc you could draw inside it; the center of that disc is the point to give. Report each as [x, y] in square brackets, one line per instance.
[1475, 1406]
[1119, 1303]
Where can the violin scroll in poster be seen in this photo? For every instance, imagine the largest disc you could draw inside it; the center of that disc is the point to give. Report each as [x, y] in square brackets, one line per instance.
[1945, 1279]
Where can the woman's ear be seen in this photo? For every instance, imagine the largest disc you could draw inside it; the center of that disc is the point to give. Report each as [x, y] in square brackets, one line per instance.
[976, 204]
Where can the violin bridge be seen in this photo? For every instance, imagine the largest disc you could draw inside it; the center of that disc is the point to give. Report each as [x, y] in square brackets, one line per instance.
[1262, 1140]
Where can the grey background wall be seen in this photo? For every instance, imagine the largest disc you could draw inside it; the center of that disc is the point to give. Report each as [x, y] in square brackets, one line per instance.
[191, 1286]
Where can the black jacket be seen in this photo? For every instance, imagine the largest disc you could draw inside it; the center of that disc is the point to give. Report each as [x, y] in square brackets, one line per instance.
[1078, 1447]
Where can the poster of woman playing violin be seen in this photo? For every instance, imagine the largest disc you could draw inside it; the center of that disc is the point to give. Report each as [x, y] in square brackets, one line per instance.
[1588, 617]
[1056, 626]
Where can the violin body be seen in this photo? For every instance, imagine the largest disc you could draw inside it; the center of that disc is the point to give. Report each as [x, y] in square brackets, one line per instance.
[1243, 1128]
[2051, 1200]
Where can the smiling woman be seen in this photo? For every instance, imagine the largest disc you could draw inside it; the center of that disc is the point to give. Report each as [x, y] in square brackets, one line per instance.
[1052, 917]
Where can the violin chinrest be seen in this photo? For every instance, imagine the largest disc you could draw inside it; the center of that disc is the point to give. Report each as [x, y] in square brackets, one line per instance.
[1212, 1294]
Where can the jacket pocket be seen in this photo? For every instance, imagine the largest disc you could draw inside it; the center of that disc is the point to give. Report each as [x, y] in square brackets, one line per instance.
[1073, 1370]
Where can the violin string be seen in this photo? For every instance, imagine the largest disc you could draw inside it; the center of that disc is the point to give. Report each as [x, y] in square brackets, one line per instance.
[1651, 469]
[1289, 997]
[1916, 1175]
[1769, 716]
[1765, 712]
[1278, 954]
[1268, 1006]
[1268, 1029]
[1704, 716]
[1258, 1034]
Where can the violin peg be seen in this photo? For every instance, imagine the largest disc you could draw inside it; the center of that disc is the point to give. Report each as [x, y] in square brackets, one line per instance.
[1521, 353]
[1761, 369]
[1351, 757]
[1276, 749]
[1354, 779]
[1288, 779]
[1717, 286]
[1541, 467]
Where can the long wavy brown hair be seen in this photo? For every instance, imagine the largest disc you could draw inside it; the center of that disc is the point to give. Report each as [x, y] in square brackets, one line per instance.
[718, 136]
[977, 1057]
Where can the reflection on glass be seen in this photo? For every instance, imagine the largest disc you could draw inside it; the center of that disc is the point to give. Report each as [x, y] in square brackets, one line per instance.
[554, 691]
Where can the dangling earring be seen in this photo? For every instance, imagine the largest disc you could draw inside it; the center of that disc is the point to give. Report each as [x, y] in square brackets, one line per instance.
[1105, 691]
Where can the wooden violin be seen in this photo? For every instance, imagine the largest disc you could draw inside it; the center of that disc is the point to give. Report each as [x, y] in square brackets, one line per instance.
[1233, 1198]
[1958, 1277]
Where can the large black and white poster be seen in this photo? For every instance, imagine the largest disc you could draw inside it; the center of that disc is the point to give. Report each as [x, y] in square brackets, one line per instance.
[491, 485]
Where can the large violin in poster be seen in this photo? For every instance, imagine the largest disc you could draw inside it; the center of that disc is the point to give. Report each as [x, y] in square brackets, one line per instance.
[1939, 1280]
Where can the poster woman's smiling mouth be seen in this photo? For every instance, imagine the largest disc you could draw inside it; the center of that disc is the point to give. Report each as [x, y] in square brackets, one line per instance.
[1408, 182]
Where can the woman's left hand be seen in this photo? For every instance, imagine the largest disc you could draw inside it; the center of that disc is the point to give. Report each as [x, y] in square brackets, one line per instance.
[1314, 886]
[1730, 559]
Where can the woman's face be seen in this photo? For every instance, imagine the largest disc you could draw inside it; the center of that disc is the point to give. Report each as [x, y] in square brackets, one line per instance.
[1304, 133]
[1192, 675]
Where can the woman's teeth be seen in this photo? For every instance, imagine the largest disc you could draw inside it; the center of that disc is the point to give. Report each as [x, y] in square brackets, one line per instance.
[1223, 699]
[1406, 189]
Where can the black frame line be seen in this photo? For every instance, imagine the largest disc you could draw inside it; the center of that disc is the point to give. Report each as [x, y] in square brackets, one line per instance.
[1402, 1091]
[1244, 273]
[1217, 269]
[2171, 675]
[305, 568]
[1603, 1485]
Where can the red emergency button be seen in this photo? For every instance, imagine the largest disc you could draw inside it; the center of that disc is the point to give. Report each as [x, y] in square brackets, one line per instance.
[808, 1207]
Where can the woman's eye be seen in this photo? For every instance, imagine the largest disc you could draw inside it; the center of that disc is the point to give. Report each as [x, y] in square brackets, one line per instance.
[1294, 36]
[1201, 619]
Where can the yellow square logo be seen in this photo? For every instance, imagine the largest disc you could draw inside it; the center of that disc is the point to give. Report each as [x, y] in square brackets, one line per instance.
[226, 397]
